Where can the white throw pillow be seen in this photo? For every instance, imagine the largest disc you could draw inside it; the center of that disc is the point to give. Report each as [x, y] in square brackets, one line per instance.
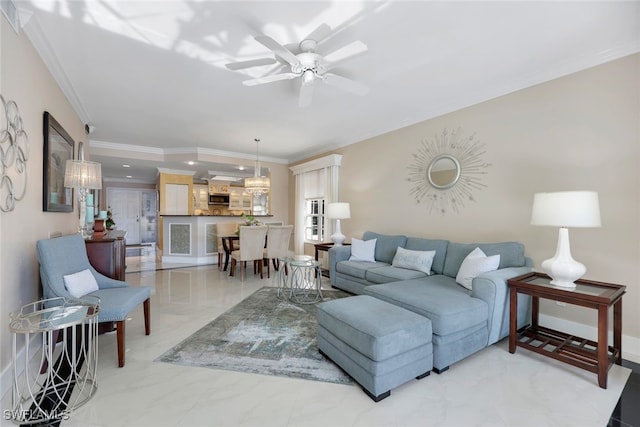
[475, 264]
[363, 250]
[413, 260]
[80, 283]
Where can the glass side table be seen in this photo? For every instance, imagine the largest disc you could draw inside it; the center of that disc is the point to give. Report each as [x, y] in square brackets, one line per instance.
[60, 358]
[300, 279]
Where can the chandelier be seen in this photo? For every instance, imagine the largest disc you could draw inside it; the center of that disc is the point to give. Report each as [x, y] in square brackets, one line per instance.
[257, 184]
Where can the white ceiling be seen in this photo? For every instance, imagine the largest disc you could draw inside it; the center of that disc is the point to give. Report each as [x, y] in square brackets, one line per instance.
[150, 76]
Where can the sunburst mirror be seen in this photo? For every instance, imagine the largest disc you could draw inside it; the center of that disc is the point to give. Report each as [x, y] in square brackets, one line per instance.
[446, 170]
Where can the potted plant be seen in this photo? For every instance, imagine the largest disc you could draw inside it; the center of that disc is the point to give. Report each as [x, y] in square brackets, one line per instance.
[109, 223]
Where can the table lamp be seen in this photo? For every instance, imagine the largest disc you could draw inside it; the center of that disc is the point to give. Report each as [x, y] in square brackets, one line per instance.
[82, 175]
[565, 209]
[338, 211]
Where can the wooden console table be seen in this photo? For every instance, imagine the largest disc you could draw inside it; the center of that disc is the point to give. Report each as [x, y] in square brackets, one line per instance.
[594, 356]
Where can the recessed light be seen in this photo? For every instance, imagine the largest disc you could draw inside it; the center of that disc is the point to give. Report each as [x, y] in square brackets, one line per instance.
[241, 168]
[129, 176]
[191, 163]
[126, 166]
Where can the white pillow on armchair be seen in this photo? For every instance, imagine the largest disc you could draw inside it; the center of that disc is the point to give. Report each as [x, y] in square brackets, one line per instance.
[81, 283]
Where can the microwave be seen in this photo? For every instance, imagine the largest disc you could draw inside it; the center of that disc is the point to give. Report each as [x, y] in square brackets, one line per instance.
[218, 199]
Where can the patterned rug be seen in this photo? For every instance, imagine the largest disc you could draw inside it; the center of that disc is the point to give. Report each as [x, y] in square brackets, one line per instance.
[263, 334]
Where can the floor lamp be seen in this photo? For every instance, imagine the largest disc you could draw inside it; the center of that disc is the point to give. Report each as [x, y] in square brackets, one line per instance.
[338, 211]
[84, 176]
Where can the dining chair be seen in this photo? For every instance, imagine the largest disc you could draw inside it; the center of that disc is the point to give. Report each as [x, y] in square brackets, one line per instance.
[67, 256]
[278, 238]
[224, 229]
[252, 240]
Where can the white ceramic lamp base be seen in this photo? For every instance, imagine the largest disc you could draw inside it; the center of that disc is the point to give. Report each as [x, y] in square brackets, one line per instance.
[338, 237]
[562, 268]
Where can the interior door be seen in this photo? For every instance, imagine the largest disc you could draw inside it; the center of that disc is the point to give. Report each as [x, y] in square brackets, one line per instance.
[126, 209]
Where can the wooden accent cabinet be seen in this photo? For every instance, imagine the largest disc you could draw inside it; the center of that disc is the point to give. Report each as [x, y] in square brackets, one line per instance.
[107, 254]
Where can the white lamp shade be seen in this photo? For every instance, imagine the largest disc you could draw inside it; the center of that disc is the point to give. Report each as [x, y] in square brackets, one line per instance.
[566, 209]
[83, 174]
[338, 210]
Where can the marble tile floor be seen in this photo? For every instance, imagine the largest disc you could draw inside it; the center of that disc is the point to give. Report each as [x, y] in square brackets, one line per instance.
[148, 393]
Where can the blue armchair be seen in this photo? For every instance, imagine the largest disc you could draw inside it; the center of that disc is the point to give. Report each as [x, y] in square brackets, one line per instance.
[67, 255]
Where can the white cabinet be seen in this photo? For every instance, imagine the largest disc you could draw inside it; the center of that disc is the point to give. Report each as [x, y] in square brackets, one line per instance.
[239, 200]
[200, 197]
[177, 199]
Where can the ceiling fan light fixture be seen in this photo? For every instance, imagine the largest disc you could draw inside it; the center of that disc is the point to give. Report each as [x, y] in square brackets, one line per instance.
[308, 77]
[257, 184]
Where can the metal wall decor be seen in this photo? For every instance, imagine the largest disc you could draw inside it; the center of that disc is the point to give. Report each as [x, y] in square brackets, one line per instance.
[446, 170]
[14, 154]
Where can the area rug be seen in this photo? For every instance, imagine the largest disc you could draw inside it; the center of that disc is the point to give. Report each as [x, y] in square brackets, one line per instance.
[263, 334]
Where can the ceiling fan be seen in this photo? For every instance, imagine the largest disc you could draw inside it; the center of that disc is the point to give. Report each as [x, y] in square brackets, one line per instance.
[308, 65]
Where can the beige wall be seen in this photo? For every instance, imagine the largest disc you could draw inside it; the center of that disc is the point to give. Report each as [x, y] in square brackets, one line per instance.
[25, 79]
[573, 133]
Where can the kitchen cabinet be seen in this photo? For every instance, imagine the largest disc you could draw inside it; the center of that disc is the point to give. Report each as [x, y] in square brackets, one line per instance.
[200, 197]
[239, 200]
[177, 199]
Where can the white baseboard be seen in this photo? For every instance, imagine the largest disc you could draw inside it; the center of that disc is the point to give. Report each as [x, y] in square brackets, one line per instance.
[190, 260]
[630, 345]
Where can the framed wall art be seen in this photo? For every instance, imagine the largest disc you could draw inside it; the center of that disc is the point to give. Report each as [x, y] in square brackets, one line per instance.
[58, 148]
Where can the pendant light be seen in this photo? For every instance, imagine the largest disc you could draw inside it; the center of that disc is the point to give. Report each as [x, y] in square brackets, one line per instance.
[257, 184]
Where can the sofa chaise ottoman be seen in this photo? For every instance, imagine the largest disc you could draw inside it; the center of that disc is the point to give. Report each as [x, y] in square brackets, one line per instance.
[380, 345]
[464, 320]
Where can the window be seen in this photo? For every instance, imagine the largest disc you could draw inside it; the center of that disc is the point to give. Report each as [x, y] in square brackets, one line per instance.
[314, 220]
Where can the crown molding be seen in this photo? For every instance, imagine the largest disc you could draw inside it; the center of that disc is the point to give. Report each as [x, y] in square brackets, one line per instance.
[166, 152]
[38, 40]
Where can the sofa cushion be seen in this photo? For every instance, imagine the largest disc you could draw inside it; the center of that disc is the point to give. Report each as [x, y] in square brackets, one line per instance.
[475, 264]
[373, 327]
[357, 268]
[363, 250]
[413, 260]
[392, 274]
[511, 254]
[449, 306]
[440, 246]
[385, 245]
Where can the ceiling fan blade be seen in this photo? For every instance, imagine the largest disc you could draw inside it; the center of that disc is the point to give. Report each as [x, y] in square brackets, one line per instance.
[306, 94]
[345, 84]
[278, 49]
[241, 65]
[319, 34]
[349, 51]
[269, 79]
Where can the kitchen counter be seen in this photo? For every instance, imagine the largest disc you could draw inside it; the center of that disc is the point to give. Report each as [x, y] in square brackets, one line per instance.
[192, 239]
[221, 216]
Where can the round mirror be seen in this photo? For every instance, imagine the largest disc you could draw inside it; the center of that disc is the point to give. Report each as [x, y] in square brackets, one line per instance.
[444, 171]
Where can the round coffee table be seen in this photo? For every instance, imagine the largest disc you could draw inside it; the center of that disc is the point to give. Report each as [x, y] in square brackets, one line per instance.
[300, 279]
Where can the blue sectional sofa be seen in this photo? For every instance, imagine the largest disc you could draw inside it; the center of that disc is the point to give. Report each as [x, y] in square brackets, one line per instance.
[463, 321]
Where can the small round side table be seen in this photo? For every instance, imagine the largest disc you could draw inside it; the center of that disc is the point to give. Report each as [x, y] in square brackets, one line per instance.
[300, 277]
[60, 358]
